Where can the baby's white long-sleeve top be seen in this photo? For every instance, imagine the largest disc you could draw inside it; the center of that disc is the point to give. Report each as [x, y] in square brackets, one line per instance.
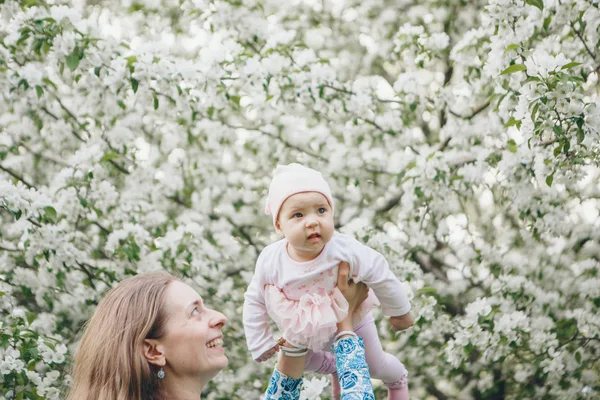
[275, 267]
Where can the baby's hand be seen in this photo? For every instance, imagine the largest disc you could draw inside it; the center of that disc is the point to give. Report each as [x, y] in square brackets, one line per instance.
[402, 322]
[268, 354]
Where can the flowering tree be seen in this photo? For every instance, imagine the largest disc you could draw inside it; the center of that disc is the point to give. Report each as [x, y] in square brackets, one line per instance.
[461, 140]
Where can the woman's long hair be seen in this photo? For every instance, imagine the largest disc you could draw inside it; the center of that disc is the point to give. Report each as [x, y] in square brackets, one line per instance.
[109, 364]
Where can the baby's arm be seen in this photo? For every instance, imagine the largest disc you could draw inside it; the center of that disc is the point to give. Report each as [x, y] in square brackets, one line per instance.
[374, 270]
[402, 322]
[256, 321]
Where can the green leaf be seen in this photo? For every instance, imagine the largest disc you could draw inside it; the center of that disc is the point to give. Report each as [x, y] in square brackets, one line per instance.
[30, 317]
[155, 103]
[514, 68]
[130, 61]
[570, 65]
[73, 60]
[536, 3]
[535, 110]
[49, 82]
[121, 104]
[580, 135]
[512, 121]
[511, 47]
[550, 179]
[511, 146]
[547, 21]
[111, 155]
[235, 99]
[39, 91]
[531, 79]
[97, 71]
[557, 129]
[134, 84]
[50, 213]
[557, 150]
[427, 290]
[419, 192]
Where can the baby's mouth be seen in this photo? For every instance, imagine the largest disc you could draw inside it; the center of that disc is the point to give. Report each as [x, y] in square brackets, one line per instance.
[314, 236]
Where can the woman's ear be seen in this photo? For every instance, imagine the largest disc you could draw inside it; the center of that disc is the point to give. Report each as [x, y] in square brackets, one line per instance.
[153, 352]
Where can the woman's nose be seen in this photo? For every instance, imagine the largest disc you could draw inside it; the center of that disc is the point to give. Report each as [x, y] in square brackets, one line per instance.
[218, 320]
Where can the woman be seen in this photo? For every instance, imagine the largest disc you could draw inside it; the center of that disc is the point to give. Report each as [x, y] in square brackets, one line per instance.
[152, 338]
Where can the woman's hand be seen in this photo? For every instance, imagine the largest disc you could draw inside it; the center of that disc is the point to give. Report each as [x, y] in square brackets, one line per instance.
[355, 294]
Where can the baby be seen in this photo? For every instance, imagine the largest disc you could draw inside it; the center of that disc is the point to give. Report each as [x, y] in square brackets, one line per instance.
[295, 283]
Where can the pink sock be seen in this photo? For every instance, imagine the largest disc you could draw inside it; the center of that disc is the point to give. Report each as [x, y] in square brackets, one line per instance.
[336, 391]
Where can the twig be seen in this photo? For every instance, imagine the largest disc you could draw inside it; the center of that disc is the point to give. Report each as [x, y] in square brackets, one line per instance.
[117, 166]
[74, 117]
[393, 202]
[583, 41]
[7, 249]
[34, 222]
[17, 177]
[338, 89]
[244, 234]
[252, 47]
[88, 273]
[432, 389]
[474, 112]
[43, 156]
[102, 228]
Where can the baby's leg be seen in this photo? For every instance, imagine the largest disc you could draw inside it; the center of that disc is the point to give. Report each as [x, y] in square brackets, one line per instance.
[323, 362]
[383, 365]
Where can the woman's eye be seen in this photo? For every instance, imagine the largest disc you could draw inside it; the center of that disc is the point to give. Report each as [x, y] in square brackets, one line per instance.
[195, 311]
[297, 215]
[322, 210]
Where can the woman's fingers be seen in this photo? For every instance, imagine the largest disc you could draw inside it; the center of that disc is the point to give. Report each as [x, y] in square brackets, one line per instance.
[364, 292]
[343, 275]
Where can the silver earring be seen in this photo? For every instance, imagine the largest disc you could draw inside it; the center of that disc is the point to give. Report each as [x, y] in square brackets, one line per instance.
[161, 373]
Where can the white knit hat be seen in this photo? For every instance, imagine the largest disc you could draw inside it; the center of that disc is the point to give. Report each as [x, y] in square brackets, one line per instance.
[292, 179]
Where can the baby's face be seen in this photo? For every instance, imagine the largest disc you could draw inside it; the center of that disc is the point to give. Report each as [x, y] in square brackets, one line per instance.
[306, 220]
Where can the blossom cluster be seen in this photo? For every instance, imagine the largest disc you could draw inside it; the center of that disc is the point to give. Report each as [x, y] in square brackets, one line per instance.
[460, 139]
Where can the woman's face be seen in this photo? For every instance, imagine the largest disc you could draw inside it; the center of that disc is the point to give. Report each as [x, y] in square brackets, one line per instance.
[192, 343]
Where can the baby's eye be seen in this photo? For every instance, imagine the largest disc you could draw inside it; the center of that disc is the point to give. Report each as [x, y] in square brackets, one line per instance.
[297, 215]
[322, 210]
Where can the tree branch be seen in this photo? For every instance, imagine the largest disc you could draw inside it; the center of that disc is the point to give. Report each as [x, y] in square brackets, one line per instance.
[474, 112]
[583, 41]
[433, 390]
[17, 177]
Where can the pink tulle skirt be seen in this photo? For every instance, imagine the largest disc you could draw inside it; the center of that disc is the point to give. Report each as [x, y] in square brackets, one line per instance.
[311, 321]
